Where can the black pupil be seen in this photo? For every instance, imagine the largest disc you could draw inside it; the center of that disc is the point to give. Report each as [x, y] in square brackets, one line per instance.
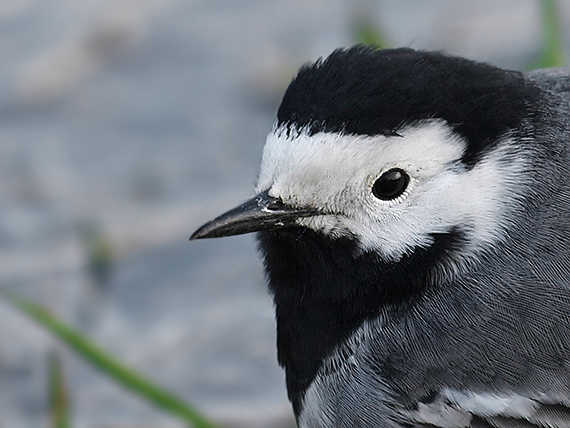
[391, 184]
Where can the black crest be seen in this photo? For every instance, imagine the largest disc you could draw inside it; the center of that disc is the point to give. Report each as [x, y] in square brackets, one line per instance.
[371, 92]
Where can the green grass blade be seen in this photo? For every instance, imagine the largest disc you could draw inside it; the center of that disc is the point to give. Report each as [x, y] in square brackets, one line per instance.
[367, 34]
[553, 48]
[58, 396]
[117, 371]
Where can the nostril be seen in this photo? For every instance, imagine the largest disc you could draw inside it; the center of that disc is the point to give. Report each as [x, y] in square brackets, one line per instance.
[276, 205]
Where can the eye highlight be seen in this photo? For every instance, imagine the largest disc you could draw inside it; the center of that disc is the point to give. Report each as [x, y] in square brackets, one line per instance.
[391, 184]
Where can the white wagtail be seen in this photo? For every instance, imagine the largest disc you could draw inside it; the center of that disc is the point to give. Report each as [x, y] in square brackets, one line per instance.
[412, 210]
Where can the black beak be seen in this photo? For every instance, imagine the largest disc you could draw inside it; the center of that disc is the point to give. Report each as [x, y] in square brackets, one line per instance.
[259, 213]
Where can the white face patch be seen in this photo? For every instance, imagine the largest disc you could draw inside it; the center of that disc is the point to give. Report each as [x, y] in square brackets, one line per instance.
[335, 173]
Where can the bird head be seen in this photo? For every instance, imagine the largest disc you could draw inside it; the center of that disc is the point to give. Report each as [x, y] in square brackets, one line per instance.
[391, 149]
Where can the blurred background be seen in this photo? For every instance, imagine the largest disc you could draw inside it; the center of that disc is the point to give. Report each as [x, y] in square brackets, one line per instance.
[125, 125]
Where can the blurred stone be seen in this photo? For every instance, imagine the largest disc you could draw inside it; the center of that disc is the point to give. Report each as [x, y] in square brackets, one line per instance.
[148, 119]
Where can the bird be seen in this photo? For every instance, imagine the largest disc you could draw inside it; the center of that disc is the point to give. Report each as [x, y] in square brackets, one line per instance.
[412, 213]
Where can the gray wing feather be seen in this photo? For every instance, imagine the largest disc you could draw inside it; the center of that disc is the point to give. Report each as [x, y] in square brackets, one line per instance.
[553, 79]
[450, 416]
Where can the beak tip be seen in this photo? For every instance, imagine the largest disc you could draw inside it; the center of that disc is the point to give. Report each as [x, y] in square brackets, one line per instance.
[200, 233]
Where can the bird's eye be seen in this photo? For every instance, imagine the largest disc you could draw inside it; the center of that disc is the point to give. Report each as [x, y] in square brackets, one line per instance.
[391, 184]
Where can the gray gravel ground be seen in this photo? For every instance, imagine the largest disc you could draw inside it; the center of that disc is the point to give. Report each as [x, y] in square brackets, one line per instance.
[126, 124]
